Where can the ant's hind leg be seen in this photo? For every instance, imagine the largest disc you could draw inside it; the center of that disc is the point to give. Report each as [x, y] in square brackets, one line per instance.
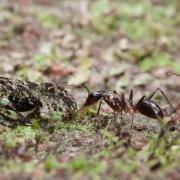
[155, 91]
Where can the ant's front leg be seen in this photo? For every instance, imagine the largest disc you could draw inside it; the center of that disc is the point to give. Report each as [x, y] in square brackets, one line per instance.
[99, 107]
[96, 120]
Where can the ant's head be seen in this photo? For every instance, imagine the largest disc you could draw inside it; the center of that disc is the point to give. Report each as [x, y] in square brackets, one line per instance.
[93, 98]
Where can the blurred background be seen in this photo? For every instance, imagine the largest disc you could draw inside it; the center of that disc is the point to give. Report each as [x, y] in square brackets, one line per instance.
[108, 44]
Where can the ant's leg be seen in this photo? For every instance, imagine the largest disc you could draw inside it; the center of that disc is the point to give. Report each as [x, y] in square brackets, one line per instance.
[162, 128]
[132, 118]
[158, 89]
[87, 89]
[121, 120]
[100, 103]
[142, 107]
[160, 120]
[131, 97]
[97, 114]
[161, 133]
[131, 103]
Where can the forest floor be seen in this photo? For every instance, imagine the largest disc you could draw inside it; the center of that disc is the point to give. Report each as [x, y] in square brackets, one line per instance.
[109, 45]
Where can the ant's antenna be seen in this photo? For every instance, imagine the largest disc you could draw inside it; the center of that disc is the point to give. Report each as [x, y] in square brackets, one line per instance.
[69, 86]
[61, 85]
[87, 89]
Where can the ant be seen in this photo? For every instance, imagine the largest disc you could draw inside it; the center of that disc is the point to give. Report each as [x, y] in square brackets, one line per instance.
[120, 104]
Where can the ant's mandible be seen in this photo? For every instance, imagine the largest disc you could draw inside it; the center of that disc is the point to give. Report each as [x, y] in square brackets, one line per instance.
[120, 104]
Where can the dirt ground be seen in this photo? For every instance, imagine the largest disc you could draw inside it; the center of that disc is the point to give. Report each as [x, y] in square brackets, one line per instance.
[108, 45]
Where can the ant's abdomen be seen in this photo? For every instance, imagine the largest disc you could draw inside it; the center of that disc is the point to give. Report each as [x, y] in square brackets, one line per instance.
[150, 109]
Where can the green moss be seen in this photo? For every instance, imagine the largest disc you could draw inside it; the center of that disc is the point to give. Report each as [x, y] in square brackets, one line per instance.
[50, 163]
[158, 60]
[18, 167]
[49, 20]
[126, 167]
[85, 165]
[18, 135]
[75, 127]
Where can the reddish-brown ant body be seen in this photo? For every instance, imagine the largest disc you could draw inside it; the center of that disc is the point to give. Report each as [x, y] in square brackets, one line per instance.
[120, 104]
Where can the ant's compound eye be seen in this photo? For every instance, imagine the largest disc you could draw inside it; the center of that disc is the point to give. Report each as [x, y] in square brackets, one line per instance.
[97, 93]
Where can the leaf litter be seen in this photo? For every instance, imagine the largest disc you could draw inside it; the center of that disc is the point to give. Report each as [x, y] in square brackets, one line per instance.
[109, 45]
